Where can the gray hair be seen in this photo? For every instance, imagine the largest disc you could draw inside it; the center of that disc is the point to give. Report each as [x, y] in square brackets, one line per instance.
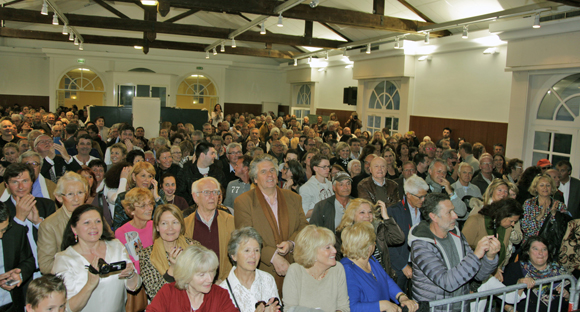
[161, 141]
[463, 164]
[448, 154]
[197, 133]
[194, 259]
[274, 130]
[233, 145]
[195, 185]
[414, 183]
[30, 154]
[242, 236]
[437, 161]
[258, 160]
[33, 134]
[17, 115]
[352, 162]
[226, 123]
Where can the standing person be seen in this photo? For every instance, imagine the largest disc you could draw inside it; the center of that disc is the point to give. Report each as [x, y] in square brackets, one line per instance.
[328, 212]
[275, 213]
[318, 187]
[486, 174]
[443, 262]
[165, 164]
[406, 213]
[217, 115]
[242, 184]
[438, 183]
[377, 187]
[463, 187]
[570, 187]
[103, 131]
[233, 153]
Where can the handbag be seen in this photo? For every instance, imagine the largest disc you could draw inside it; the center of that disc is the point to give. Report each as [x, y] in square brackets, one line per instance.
[553, 232]
[136, 301]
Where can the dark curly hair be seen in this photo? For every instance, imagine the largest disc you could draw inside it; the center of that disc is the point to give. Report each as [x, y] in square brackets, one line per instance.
[68, 238]
[501, 209]
[113, 175]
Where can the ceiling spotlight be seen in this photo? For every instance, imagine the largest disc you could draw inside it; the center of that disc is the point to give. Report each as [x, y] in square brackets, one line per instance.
[44, 10]
[490, 51]
[464, 35]
[65, 30]
[368, 48]
[81, 47]
[322, 69]
[537, 21]
[397, 44]
[149, 2]
[326, 56]
[233, 42]
[314, 3]
[71, 36]
[223, 48]
[310, 60]
[263, 29]
[138, 47]
[280, 21]
[54, 19]
[76, 41]
[214, 51]
[348, 66]
[295, 62]
[206, 54]
[344, 52]
[424, 57]
[427, 38]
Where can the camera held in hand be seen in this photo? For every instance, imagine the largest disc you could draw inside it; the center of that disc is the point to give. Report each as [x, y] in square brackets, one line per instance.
[104, 268]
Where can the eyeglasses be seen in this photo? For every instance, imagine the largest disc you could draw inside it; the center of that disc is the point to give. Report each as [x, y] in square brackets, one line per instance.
[207, 193]
[324, 167]
[72, 194]
[235, 153]
[149, 204]
[419, 197]
[34, 164]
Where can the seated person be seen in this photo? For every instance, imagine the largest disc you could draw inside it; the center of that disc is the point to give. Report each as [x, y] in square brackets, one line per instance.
[46, 293]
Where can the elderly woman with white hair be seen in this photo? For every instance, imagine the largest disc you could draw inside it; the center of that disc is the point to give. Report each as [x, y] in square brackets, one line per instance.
[316, 280]
[274, 136]
[193, 289]
[250, 289]
[354, 167]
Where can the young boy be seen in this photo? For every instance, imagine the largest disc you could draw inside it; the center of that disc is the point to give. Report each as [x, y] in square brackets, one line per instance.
[46, 293]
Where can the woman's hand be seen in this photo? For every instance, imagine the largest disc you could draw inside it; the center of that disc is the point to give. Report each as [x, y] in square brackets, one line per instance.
[273, 305]
[565, 294]
[93, 279]
[128, 271]
[387, 306]
[288, 184]
[125, 172]
[528, 281]
[174, 254]
[155, 189]
[412, 305]
[383, 206]
[499, 275]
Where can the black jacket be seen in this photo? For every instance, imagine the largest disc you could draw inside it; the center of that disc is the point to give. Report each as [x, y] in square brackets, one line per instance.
[45, 208]
[190, 173]
[324, 212]
[17, 254]
[60, 167]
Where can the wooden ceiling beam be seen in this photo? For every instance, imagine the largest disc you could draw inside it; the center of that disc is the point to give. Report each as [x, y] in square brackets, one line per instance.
[320, 14]
[181, 16]
[29, 16]
[575, 3]
[110, 8]
[131, 42]
[421, 15]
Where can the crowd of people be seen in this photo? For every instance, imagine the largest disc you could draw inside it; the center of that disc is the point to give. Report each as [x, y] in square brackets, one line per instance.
[264, 213]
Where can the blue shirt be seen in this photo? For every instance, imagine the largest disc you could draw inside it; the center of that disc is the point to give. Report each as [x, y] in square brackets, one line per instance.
[364, 291]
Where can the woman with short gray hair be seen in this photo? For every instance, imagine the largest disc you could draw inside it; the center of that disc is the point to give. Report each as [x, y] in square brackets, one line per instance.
[247, 285]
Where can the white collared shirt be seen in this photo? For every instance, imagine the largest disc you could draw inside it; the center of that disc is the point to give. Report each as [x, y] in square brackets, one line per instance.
[5, 297]
[27, 223]
[263, 289]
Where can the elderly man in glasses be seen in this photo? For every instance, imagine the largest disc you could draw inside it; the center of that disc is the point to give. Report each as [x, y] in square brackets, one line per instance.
[377, 187]
[208, 225]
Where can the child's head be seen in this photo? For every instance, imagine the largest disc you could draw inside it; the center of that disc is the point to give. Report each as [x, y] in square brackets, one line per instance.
[46, 293]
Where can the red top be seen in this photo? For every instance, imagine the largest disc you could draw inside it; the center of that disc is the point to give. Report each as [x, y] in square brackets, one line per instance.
[171, 299]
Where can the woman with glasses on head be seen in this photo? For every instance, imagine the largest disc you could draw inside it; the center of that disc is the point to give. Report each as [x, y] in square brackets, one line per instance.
[71, 192]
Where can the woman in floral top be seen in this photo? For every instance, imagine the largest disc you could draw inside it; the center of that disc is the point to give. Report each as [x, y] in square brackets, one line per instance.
[537, 208]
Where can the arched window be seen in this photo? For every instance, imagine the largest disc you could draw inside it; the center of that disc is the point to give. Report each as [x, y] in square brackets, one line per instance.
[81, 87]
[304, 95]
[562, 101]
[383, 107]
[197, 91]
[303, 100]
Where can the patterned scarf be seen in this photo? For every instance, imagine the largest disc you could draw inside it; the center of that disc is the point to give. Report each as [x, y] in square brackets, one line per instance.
[551, 270]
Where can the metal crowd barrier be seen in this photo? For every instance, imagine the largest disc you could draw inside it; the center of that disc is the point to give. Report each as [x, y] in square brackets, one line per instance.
[501, 293]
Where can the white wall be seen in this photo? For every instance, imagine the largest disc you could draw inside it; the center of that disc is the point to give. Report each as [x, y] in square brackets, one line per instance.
[330, 87]
[463, 85]
[23, 72]
[254, 85]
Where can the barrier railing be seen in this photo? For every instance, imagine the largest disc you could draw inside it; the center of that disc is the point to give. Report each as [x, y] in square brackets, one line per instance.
[511, 293]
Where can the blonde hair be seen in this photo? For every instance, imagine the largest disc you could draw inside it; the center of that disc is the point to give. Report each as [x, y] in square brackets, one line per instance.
[356, 240]
[174, 210]
[137, 168]
[536, 181]
[353, 206]
[136, 195]
[194, 259]
[488, 195]
[308, 241]
[120, 146]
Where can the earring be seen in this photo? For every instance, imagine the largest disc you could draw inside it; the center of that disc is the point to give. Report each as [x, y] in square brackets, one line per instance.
[76, 239]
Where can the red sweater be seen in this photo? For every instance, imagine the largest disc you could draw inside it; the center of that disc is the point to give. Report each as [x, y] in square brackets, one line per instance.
[171, 299]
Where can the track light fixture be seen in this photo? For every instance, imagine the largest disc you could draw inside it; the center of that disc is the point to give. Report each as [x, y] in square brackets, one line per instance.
[368, 48]
[214, 51]
[314, 3]
[464, 35]
[206, 54]
[149, 2]
[537, 21]
[76, 41]
[310, 60]
[54, 19]
[233, 42]
[65, 30]
[397, 44]
[263, 29]
[71, 36]
[138, 47]
[326, 56]
[81, 47]
[223, 48]
[280, 21]
[44, 10]
[295, 62]
[427, 38]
